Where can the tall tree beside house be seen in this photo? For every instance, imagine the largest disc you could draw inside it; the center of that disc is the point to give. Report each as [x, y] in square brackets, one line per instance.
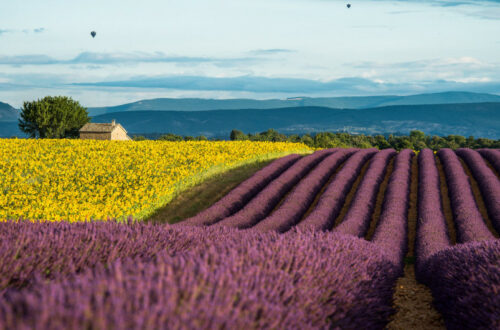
[53, 117]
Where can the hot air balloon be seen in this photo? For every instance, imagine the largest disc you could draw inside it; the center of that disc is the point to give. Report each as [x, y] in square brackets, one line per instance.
[348, 5]
[93, 33]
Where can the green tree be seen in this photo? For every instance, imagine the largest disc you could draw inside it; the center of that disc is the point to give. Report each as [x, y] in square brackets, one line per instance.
[273, 136]
[138, 138]
[307, 139]
[237, 135]
[170, 137]
[381, 142]
[293, 138]
[417, 136]
[53, 117]
[201, 138]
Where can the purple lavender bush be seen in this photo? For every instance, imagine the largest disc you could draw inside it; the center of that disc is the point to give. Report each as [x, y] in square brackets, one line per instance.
[493, 156]
[27, 248]
[265, 201]
[300, 199]
[245, 191]
[488, 183]
[468, 220]
[331, 201]
[357, 219]
[464, 278]
[465, 284]
[432, 233]
[226, 279]
[392, 230]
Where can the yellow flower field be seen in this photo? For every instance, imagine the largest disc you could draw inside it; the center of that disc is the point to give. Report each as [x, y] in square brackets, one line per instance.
[76, 180]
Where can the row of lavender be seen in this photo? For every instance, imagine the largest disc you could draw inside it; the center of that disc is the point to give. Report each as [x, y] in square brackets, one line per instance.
[286, 200]
[464, 278]
[113, 276]
[255, 197]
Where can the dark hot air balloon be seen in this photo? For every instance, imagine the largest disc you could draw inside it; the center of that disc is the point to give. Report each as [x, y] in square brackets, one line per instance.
[348, 5]
[93, 33]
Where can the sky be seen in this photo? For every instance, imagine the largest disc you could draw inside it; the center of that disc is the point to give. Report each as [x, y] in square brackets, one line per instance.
[245, 48]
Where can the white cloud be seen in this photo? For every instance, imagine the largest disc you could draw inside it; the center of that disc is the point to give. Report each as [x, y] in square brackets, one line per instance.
[473, 80]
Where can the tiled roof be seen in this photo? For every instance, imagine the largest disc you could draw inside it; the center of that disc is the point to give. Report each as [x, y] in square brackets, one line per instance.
[100, 127]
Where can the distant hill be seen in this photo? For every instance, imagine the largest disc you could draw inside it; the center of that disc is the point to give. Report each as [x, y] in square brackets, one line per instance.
[8, 113]
[9, 129]
[193, 104]
[476, 119]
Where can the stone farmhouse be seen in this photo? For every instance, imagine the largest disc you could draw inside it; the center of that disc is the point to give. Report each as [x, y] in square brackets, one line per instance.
[104, 131]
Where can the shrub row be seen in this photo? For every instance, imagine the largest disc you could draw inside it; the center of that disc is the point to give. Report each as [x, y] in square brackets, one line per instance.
[265, 201]
[392, 229]
[432, 233]
[300, 199]
[331, 201]
[493, 156]
[464, 278]
[487, 181]
[465, 283]
[244, 192]
[468, 220]
[357, 219]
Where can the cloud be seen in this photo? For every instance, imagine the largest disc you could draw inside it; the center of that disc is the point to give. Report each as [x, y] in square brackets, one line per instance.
[121, 58]
[452, 66]
[37, 30]
[241, 83]
[271, 51]
[3, 31]
[464, 69]
[20, 60]
[453, 3]
[398, 12]
[473, 80]
[342, 86]
[484, 9]
[374, 26]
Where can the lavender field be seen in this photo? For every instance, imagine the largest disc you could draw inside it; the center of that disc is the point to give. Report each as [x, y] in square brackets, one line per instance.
[307, 242]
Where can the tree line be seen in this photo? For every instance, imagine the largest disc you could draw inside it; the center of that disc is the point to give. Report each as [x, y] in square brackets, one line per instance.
[416, 140]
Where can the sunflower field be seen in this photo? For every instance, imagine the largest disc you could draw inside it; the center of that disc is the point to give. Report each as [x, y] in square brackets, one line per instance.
[79, 180]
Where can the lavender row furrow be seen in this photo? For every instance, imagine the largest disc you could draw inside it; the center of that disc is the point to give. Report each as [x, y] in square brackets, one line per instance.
[487, 181]
[240, 195]
[465, 284]
[432, 233]
[300, 199]
[357, 219]
[468, 220]
[392, 228]
[492, 156]
[265, 201]
[331, 201]
[224, 278]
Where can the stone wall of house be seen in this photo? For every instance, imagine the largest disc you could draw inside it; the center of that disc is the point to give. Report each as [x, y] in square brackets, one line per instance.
[119, 134]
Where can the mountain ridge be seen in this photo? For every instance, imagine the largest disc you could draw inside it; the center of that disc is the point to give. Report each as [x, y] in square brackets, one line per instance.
[348, 102]
[8, 113]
